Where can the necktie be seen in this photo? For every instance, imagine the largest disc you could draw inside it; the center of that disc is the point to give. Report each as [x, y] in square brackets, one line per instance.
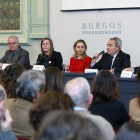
[13, 55]
[110, 62]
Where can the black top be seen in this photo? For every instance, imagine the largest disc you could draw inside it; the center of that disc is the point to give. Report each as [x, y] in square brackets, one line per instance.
[114, 112]
[55, 60]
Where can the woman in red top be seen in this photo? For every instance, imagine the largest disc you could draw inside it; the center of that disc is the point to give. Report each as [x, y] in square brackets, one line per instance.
[80, 61]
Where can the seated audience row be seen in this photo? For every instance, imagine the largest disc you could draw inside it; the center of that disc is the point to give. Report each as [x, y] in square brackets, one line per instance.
[115, 60]
[33, 93]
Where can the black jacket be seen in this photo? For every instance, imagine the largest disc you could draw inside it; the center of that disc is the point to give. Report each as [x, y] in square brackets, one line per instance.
[55, 60]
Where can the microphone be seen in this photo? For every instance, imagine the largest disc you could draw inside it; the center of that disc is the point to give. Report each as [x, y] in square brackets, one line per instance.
[102, 52]
[40, 60]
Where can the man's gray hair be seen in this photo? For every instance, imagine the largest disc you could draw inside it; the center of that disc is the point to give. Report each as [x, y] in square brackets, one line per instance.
[29, 83]
[78, 89]
[118, 41]
[14, 36]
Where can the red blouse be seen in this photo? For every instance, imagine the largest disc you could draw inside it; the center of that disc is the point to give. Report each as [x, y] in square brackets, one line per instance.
[79, 65]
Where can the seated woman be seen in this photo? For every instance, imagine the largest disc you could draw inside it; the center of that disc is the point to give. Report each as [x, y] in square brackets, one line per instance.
[48, 56]
[80, 61]
[134, 105]
[105, 99]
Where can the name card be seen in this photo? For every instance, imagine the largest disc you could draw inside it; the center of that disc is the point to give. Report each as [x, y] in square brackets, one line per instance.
[127, 74]
[91, 71]
[39, 67]
[4, 65]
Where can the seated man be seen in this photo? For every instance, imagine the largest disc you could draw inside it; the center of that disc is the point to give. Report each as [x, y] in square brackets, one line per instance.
[6, 132]
[79, 90]
[30, 85]
[15, 54]
[115, 60]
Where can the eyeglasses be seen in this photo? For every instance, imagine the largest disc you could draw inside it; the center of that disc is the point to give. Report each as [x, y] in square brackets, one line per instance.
[12, 43]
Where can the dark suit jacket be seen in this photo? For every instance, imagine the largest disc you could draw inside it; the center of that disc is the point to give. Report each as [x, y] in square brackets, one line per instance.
[135, 69]
[121, 61]
[21, 57]
[55, 60]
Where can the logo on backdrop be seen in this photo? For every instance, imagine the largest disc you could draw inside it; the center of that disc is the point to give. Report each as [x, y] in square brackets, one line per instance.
[101, 28]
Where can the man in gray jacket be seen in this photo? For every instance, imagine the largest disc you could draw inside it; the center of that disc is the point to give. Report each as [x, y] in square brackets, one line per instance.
[15, 54]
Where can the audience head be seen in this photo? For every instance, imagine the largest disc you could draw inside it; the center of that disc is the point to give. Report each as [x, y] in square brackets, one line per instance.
[13, 43]
[46, 47]
[49, 101]
[79, 90]
[54, 79]
[104, 87]
[30, 84]
[114, 45]
[67, 126]
[2, 102]
[129, 131]
[9, 79]
[138, 84]
[80, 48]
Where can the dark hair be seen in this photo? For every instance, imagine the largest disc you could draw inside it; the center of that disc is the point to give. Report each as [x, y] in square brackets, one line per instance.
[51, 47]
[138, 82]
[54, 79]
[9, 79]
[47, 102]
[67, 126]
[74, 46]
[129, 131]
[104, 87]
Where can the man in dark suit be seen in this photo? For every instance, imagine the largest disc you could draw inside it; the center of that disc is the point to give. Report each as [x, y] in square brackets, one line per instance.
[15, 54]
[115, 60]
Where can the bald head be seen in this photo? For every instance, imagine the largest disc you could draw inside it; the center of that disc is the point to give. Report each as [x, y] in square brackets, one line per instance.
[79, 90]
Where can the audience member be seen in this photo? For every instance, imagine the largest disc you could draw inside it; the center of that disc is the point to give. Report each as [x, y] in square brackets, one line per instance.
[134, 105]
[29, 87]
[9, 79]
[115, 60]
[15, 54]
[67, 126]
[49, 101]
[48, 56]
[129, 131]
[6, 132]
[80, 61]
[105, 102]
[54, 79]
[79, 90]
